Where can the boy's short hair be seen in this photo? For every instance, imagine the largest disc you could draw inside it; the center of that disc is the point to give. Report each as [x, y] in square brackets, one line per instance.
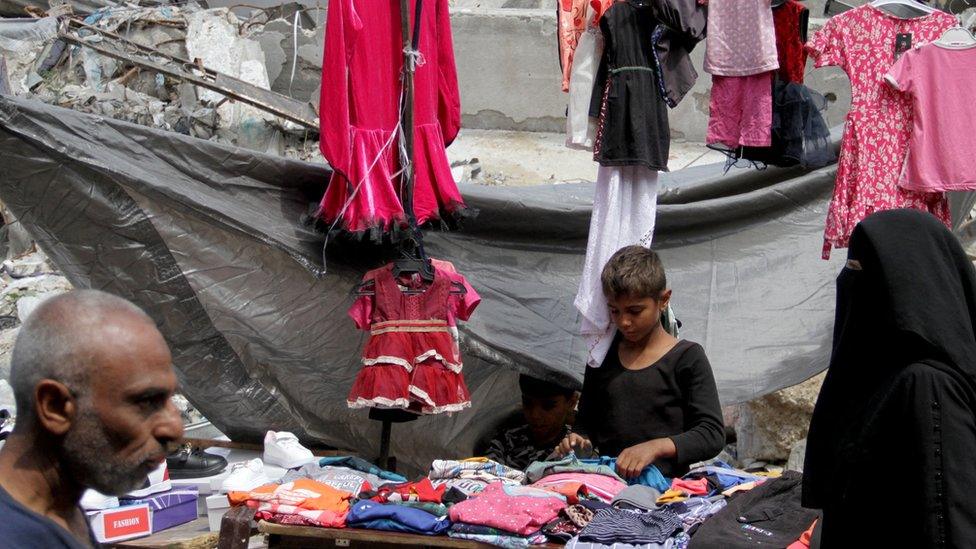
[531, 386]
[634, 271]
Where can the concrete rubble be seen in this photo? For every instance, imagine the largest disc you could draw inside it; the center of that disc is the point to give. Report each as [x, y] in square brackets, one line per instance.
[26, 281]
[769, 427]
[258, 49]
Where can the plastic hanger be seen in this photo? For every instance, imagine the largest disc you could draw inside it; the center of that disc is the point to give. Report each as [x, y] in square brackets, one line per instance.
[957, 37]
[777, 3]
[898, 8]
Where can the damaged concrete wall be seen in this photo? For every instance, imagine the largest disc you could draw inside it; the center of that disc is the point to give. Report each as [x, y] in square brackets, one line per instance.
[508, 69]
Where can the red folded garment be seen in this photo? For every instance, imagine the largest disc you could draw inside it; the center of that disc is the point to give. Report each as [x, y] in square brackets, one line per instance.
[691, 487]
[421, 490]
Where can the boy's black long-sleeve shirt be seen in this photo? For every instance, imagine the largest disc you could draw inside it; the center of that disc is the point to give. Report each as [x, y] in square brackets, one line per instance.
[675, 397]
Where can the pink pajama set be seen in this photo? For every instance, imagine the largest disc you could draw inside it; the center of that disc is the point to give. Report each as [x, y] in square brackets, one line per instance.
[741, 56]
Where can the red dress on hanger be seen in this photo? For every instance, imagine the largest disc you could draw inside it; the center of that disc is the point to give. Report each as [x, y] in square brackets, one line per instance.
[791, 19]
[412, 360]
[359, 111]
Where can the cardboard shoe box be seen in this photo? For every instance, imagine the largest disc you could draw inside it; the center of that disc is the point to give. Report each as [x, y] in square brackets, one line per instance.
[121, 523]
[217, 507]
[169, 509]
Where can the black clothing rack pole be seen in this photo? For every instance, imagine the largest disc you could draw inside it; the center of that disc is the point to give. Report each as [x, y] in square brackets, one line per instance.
[410, 45]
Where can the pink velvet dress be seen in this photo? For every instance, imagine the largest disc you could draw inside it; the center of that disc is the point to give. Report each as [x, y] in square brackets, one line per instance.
[359, 112]
[412, 360]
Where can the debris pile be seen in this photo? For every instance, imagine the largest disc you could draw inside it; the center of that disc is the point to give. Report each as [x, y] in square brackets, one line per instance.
[249, 79]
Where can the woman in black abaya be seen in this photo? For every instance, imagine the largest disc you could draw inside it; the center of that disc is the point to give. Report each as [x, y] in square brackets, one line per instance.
[891, 454]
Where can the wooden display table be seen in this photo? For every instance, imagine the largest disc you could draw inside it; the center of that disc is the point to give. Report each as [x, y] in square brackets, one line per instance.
[305, 536]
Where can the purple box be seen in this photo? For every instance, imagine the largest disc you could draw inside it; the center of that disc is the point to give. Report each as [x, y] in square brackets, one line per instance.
[169, 509]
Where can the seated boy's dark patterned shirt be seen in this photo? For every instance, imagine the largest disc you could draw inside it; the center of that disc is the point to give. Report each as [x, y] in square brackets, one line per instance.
[515, 448]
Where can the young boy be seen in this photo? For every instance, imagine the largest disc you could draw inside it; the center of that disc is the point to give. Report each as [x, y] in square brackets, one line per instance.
[546, 409]
[653, 400]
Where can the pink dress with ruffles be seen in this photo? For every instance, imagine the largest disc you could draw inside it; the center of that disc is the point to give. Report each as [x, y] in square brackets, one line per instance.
[359, 111]
[412, 360]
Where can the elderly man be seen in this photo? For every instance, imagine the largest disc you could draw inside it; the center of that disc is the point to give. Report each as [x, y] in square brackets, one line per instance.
[92, 377]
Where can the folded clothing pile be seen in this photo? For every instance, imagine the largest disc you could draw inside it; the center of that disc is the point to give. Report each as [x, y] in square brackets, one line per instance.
[515, 515]
[302, 501]
[572, 520]
[769, 515]
[468, 477]
[604, 466]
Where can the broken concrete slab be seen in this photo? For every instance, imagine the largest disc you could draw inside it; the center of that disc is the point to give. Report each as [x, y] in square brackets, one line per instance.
[274, 53]
[279, 35]
[201, 75]
[21, 43]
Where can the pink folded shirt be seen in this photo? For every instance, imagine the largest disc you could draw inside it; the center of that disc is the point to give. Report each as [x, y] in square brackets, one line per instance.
[602, 487]
[518, 509]
[940, 82]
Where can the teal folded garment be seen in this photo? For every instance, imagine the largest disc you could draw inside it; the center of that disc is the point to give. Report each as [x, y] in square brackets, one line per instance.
[360, 464]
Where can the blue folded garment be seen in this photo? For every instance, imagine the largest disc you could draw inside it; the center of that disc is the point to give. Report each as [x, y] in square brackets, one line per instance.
[395, 518]
[650, 476]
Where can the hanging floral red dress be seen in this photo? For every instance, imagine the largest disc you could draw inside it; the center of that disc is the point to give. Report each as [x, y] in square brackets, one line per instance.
[359, 113]
[411, 360]
[878, 127]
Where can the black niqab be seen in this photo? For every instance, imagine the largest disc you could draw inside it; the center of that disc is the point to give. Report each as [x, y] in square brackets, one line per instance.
[912, 302]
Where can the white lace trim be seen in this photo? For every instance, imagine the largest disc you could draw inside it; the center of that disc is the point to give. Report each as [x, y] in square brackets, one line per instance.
[378, 402]
[455, 367]
[447, 408]
[431, 408]
[411, 329]
[395, 360]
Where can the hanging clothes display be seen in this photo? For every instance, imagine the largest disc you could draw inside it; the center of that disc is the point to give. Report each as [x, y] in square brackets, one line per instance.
[360, 113]
[580, 126]
[864, 42]
[740, 54]
[939, 81]
[791, 20]
[571, 20]
[624, 211]
[799, 133]
[681, 26]
[633, 128]
[412, 360]
[632, 145]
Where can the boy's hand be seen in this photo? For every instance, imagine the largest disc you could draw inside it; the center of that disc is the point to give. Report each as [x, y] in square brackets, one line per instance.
[572, 443]
[632, 461]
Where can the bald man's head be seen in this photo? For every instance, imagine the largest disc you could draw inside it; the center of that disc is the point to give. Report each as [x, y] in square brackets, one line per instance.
[92, 377]
[60, 340]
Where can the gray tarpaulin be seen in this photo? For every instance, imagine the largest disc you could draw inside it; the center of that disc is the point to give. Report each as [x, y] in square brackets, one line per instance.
[208, 239]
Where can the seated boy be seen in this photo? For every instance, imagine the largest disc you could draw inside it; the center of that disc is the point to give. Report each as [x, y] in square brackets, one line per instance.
[546, 409]
[653, 400]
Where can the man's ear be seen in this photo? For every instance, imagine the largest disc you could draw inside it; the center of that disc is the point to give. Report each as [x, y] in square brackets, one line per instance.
[55, 406]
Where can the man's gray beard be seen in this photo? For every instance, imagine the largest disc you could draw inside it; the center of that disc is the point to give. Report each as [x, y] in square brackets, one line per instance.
[88, 455]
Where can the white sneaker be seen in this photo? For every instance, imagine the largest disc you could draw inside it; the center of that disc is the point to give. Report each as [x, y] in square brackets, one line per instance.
[157, 481]
[245, 476]
[96, 501]
[284, 450]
